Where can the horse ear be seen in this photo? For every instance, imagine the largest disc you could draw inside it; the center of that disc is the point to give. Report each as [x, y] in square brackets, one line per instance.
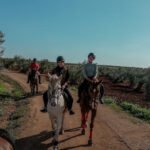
[49, 76]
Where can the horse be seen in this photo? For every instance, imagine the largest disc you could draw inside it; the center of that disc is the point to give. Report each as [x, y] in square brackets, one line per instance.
[33, 81]
[6, 141]
[90, 97]
[56, 107]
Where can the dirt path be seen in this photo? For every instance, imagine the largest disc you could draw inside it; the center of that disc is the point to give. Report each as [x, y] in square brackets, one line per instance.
[113, 130]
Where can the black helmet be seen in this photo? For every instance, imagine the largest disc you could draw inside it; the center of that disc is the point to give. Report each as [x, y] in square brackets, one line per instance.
[34, 59]
[91, 54]
[60, 58]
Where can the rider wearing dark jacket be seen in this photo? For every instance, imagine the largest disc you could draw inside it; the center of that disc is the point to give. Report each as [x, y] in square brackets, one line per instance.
[62, 70]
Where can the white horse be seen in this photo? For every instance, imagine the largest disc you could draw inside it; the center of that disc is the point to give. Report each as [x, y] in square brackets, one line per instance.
[56, 106]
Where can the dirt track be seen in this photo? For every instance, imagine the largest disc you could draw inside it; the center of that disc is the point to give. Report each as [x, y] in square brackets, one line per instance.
[113, 130]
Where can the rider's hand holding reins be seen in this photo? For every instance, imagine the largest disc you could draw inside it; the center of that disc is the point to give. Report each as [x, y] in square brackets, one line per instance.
[64, 86]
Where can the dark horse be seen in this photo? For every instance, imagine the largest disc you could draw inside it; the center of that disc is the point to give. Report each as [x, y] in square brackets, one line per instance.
[90, 97]
[33, 82]
[6, 141]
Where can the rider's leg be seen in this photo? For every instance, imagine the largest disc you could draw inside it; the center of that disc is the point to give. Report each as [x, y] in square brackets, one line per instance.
[79, 93]
[39, 79]
[69, 101]
[28, 79]
[45, 101]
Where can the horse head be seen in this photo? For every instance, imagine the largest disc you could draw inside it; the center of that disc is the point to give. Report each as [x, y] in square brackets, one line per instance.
[94, 90]
[54, 88]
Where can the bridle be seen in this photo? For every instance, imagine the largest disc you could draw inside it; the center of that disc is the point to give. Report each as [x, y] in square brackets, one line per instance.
[56, 93]
[94, 96]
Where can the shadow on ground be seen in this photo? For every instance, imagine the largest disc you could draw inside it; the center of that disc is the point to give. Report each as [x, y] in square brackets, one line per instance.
[36, 142]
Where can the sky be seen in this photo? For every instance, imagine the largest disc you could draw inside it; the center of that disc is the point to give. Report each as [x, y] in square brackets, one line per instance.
[117, 31]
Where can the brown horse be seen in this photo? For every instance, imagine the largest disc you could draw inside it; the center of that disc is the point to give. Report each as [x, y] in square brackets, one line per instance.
[90, 97]
[33, 82]
[6, 141]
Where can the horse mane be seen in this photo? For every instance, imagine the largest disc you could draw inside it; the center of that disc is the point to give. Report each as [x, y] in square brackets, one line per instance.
[7, 136]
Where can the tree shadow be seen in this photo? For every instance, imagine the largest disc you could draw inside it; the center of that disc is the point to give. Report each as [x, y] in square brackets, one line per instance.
[34, 142]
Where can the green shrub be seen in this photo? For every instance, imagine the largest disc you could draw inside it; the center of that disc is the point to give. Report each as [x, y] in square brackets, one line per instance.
[1, 112]
[147, 89]
[136, 110]
[109, 100]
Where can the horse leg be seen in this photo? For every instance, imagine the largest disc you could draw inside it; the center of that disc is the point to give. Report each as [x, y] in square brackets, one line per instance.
[31, 87]
[93, 114]
[62, 124]
[86, 117]
[53, 124]
[58, 128]
[83, 121]
[37, 88]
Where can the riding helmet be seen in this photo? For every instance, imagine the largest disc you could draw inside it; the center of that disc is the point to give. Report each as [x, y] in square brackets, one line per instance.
[92, 54]
[34, 59]
[60, 58]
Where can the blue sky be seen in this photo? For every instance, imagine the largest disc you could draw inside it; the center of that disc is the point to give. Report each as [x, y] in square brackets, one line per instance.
[117, 31]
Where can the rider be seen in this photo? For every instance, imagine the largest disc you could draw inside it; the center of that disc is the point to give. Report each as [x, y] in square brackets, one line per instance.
[61, 70]
[90, 72]
[34, 66]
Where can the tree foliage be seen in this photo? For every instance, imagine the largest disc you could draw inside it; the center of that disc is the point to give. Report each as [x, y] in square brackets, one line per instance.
[1, 42]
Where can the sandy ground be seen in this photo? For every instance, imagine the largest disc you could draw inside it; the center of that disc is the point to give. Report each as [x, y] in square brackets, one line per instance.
[114, 130]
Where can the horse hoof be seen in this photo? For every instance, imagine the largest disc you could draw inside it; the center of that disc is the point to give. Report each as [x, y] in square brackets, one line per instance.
[83, 132]
[90, 143]
[61, 132]
[55, 147]
[53, 133]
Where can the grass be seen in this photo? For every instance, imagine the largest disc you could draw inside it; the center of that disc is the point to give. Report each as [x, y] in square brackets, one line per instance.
[136, 110]
[111, 102]
[74, 88]
[10, 90]
[2, 88]
[133, 109]
[15, 90]
[1, 111]
[17, 118]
